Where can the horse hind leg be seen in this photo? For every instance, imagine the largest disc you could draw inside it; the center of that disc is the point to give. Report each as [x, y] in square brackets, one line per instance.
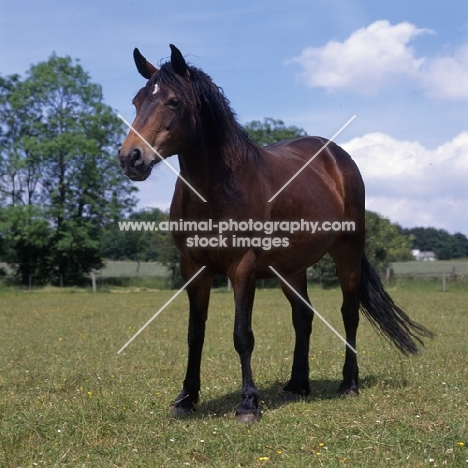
[348, 268]
[302, 315]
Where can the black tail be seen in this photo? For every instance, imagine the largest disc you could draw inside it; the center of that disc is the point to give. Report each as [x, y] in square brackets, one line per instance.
[385, 316]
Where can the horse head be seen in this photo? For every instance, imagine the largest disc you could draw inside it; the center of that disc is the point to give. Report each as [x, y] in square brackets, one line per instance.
[163, 125]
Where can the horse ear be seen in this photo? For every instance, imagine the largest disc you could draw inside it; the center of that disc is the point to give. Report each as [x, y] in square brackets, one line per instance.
[178, 62]
[145, 68]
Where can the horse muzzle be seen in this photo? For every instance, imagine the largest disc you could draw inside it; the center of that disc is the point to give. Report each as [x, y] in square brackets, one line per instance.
[134, 164]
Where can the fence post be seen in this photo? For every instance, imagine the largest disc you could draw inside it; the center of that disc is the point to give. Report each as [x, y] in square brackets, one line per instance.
[389, 275]
[93, 280]
[444, 282]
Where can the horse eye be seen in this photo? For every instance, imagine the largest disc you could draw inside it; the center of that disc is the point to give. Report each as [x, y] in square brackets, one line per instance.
[174, 102]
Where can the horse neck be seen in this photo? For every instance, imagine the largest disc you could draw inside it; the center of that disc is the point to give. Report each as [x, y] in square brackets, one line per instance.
[204, 168]
[214, 163]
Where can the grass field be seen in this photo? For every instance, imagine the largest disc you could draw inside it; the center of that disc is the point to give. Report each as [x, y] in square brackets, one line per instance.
[431, 269]
[68, 400]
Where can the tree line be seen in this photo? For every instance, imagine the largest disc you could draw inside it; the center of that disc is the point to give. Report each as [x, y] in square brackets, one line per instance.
[446, 246]
[62, 192]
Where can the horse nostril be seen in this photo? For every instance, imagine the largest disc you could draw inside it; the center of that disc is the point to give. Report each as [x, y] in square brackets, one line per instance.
[136, 157]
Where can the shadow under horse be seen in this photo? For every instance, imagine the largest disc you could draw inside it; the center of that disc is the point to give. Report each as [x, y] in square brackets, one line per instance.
[227, 179]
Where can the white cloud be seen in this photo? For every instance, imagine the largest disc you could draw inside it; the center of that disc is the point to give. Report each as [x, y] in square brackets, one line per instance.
[412, 184]
[441, 213]
[447, 77]
[379, 55]
[367, 60]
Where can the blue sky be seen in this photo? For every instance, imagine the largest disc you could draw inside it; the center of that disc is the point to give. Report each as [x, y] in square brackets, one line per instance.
[400, 66]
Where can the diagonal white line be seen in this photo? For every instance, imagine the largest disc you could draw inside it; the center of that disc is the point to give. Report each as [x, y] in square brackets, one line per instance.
[312, 158]
[129, 125]
[312, 309]
[161, 309]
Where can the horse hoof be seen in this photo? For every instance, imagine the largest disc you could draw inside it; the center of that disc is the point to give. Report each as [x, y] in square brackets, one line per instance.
[248, 418]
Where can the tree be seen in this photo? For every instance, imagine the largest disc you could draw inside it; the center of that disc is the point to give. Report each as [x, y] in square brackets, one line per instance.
[58, 144]
[460, 244]
[26, 237]
[384, 243]
[270, 131]
[323, 273]
[140, 245]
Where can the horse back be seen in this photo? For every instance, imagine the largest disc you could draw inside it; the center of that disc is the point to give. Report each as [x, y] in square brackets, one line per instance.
[327, 174]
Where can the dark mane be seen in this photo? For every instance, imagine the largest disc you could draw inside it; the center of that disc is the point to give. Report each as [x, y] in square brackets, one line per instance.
[218, 121]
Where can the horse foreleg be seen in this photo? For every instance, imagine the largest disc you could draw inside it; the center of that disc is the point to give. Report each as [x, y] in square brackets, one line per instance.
[199, 294]
[243, 281]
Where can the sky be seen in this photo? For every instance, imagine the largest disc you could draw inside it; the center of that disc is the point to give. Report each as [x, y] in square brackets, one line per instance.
[401, 67]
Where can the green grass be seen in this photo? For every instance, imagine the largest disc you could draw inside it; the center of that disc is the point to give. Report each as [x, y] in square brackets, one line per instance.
[68, 400]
